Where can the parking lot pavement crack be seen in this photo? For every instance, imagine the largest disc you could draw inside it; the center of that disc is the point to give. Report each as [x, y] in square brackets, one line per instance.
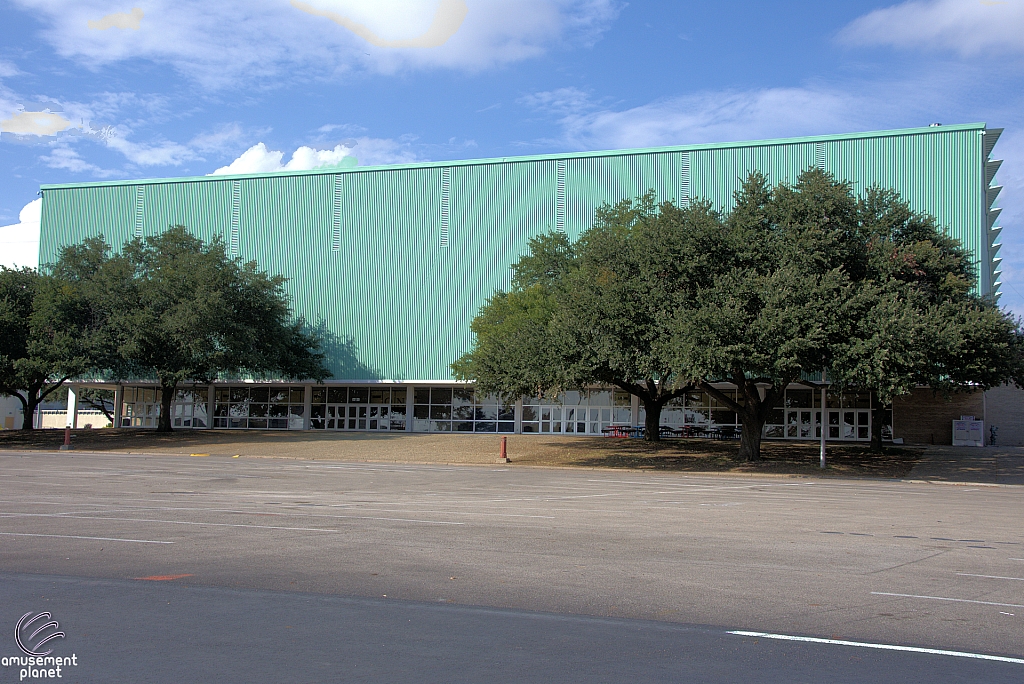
[911, 562]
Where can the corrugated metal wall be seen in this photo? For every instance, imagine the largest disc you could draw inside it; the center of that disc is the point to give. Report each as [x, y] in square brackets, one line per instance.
[391, 264]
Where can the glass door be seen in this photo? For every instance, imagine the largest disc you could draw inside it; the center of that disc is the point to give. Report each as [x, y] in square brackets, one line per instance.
[799, 424]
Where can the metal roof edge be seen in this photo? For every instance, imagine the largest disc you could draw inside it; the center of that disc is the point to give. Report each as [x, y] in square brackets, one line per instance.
[980, 126]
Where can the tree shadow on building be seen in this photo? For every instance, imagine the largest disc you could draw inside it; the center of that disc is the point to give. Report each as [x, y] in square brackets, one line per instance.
[341, 355]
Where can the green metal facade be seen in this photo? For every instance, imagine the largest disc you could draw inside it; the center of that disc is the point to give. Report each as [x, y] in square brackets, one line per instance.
[391, 263]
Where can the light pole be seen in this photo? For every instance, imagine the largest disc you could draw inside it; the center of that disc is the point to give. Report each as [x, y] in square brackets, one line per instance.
[824, 418]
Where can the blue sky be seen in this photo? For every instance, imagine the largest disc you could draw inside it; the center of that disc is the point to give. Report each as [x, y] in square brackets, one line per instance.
[97, 89]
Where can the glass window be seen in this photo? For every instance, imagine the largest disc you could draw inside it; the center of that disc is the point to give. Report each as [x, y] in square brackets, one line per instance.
[337, 395]
[441, 395]
[600, 398]
[239, 394]
[462, 396]
[398, 396]
[463, 411]
[721, 417]
[380, 396]
[319, 395]
[278, 395]
[260, 394]
[422, 395]
[800, 398]
[297, 395]
[440, 412]
[358, 395]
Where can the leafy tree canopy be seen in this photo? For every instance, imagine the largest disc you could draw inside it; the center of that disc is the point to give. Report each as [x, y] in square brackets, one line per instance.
[796, 278]
[181, 310]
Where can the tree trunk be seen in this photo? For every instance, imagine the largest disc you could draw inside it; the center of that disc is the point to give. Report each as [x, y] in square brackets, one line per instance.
[877, 417]
[166, 399]
[652, 420]
[750, 437]
[28, 411]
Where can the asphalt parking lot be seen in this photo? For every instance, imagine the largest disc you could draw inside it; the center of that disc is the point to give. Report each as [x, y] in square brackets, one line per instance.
[925, 565]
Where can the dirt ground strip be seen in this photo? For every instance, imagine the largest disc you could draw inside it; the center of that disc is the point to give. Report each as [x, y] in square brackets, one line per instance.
[691, 455]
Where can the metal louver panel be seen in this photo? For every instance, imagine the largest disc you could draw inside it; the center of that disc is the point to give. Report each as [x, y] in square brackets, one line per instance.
[819, 155]
[991, 193]
[684, 178]
[991, 138]
[560, 168]
[446, 204]
[140, 206]
[991, 168]
[993, 215]
[236, 218]
[336, 214]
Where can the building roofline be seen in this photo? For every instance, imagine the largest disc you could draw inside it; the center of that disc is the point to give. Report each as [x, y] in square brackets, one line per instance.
[528, 158]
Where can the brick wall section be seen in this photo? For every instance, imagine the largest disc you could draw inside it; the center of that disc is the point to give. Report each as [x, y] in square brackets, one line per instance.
[925, 417]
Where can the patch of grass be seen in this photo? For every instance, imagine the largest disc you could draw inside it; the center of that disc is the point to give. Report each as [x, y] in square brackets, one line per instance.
[699, 455]
[681, 455]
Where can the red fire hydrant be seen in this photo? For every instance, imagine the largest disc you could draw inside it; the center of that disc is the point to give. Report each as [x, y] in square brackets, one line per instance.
[503, 458]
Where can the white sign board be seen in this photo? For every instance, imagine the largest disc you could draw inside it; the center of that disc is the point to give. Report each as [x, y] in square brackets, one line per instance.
[968, 433]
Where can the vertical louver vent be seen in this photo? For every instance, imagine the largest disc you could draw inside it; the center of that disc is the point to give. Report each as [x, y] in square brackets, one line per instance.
[560, 195]
[140, 205]
[819, 155]
[336, 215]
[236, 217]
[684, 179]
[446, 191]
[991, 167]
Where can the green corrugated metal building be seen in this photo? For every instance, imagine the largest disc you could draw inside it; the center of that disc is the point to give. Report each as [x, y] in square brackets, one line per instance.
[391, 263]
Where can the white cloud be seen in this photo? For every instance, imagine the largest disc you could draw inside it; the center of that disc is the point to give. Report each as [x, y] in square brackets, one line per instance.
[163, 153]
[223, 44]
[19, 243]
[711, 116]
[64, 157]
[8, 69]
[372, 151]
[966, 27]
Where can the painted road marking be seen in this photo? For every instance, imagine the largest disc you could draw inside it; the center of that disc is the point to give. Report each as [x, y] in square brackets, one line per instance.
[164, 578]
[72, 536]
[884, 647]
[214, 524]
[969, 574]
[944, 598]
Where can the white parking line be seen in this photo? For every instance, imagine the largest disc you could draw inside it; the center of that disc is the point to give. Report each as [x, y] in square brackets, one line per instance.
[944, 598]
[969, 574]
[884, 647]
[72, 536]
[213, 524]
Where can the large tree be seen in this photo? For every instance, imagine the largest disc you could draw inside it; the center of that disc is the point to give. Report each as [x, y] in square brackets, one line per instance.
[181, 310]
[778, 296]
[597, 311]
[49, 331]
[917, 320]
